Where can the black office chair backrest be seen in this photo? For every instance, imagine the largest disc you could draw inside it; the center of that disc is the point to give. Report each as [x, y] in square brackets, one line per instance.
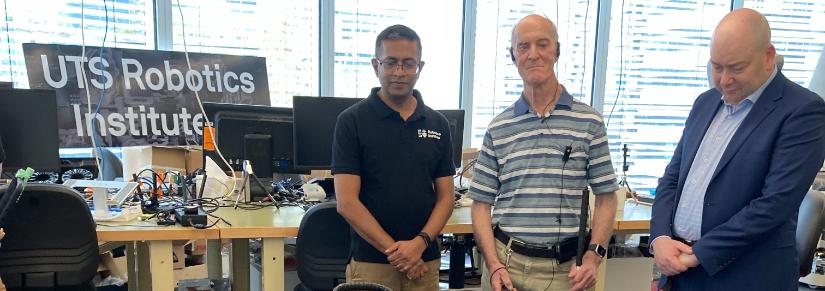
[322, 247]
[361, 286]
[50, 241]
[111, 166]
[809, 226]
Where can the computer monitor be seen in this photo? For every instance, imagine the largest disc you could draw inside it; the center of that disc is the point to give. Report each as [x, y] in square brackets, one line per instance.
[315, 119]
[260, 134]
[28, 125]
[456, 120]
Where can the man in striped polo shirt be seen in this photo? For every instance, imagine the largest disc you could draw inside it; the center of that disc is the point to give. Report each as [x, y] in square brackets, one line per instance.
[538, 156]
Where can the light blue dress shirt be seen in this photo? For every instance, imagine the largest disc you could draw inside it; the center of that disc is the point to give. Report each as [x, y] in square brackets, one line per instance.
[687, 223]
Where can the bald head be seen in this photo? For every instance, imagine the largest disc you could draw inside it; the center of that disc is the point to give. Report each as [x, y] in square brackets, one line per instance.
[741, 53]
[744, 27]
[534, 22]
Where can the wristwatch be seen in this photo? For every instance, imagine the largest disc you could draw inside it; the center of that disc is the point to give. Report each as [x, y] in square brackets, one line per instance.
[426, 238]
[598, 249]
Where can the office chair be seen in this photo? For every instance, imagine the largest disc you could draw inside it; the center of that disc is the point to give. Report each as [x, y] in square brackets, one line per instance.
[50, 241]
[780, 61]
[322, 248]
[361, 286]
[809, 227]
[111, 167]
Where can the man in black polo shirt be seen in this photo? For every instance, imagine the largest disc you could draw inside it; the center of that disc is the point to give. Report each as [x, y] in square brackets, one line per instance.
[392, 164]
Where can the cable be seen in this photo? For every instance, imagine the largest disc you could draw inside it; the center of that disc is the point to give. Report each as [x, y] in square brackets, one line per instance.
[464, 170]
[93, 134]
[86, 79]
[8, 39]
[357, 39]
[621, 66]
[566, 31]
[584, 60]
[700, 32]
[495, 63]
[206, 121]
[558, 47]
[114, 23]
[565, 158]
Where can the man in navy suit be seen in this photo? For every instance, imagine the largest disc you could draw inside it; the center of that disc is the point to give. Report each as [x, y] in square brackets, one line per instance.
[725, 212]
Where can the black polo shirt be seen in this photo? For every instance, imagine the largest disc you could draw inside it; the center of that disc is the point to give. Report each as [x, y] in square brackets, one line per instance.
[398, 162]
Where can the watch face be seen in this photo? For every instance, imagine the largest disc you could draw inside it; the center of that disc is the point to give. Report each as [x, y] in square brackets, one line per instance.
[601, 251]
[598, 249]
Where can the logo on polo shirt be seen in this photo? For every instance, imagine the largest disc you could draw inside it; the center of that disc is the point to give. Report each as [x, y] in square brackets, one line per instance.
[426, 133]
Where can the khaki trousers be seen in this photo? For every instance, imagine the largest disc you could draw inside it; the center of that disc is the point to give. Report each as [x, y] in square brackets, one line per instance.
[387, 275]
[529, 273]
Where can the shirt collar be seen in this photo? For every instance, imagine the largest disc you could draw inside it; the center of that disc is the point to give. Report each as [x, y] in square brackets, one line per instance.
[753, 97]
[383, 111]
[522, 107]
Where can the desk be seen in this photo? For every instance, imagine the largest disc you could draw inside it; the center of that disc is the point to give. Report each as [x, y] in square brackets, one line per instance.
[153, 244]
[270, 224]
[635, 218]
[273, 225]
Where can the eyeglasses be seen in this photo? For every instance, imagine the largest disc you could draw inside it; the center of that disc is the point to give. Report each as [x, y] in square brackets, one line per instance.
[407, 66]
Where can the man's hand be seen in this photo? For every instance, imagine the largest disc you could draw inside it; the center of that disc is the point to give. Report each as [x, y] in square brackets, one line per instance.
[500, 279]
[2, 233]
[417, 271]
[666, 252]
[689, 260]
[584, 277]
[403, 255]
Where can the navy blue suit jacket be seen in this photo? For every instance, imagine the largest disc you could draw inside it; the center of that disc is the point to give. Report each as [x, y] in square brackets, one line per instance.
[752, 201]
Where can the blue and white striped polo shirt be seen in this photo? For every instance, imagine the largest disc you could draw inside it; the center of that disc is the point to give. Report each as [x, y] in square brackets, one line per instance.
[520, 169]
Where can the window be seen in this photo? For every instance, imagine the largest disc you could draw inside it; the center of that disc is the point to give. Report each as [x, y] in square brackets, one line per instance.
[358, 23]
[797, 32]
[130, 25]
[284, 32]
[657, 60]
[497, 83]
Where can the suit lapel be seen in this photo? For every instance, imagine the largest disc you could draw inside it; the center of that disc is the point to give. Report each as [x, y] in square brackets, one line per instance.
[760, 110]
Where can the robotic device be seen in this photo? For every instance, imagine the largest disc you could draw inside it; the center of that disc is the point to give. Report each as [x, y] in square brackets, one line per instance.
[809, 239]
[100, 197]
[816, 279]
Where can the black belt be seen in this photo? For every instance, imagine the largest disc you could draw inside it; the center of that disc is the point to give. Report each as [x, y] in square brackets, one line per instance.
[684, 241]
[563, 251]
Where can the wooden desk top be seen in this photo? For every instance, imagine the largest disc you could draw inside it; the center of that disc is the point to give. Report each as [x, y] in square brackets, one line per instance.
[266, 222]
[284, 222]
[149, 230]
[460, 222]
[634, 221]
